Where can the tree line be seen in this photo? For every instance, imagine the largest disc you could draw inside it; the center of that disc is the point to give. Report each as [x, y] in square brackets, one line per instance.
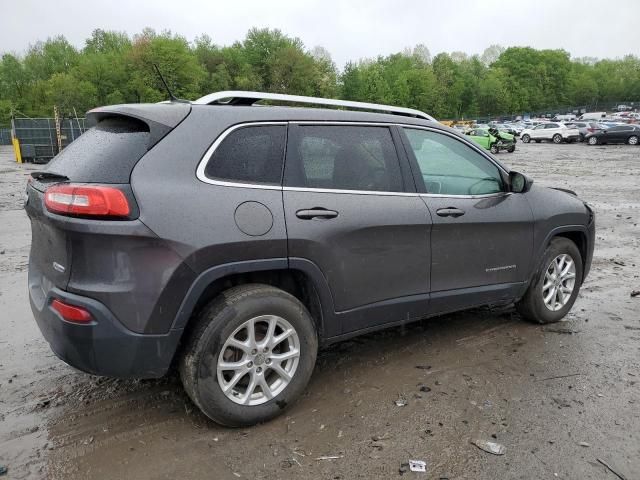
[113, 67]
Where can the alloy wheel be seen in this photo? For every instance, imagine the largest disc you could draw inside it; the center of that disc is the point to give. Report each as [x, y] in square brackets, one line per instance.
[559, 282]
[258, 360]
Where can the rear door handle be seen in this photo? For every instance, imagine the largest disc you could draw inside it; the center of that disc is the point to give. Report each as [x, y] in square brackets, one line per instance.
[316, 213]
[450, 212]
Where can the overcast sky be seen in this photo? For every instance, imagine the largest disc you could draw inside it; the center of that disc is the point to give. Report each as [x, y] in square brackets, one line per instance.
[348, 29]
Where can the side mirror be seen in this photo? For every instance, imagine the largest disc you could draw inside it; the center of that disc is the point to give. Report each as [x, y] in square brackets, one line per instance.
[519, 183]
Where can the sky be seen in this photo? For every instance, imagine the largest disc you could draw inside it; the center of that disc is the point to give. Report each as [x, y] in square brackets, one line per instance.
[349, 30]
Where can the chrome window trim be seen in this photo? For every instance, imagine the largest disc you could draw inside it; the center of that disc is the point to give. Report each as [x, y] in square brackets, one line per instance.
[202, 165]
[445, 195]
[352, 192]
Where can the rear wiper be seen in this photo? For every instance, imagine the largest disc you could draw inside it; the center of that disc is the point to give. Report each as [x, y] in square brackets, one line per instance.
[44, 175]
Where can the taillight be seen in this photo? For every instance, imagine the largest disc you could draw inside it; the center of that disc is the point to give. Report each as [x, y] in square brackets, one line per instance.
[71, 313]
[88, 200]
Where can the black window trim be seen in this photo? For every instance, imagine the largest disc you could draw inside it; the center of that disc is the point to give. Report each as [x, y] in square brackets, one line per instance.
[405, 173]
[413, 161]
[202, 166]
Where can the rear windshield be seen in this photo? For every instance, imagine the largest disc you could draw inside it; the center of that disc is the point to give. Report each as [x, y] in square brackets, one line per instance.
[105, 153]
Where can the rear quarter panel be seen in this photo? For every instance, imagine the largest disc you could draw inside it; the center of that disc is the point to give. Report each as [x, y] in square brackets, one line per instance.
[196, 217]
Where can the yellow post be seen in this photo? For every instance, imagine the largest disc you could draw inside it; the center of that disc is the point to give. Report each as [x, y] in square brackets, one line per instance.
[16, 149]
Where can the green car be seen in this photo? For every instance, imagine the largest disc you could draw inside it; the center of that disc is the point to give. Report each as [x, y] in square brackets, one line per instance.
[482, 137]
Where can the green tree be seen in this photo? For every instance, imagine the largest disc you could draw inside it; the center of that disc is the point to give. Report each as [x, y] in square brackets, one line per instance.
[177, 63]
[55, 55]
[69, 93]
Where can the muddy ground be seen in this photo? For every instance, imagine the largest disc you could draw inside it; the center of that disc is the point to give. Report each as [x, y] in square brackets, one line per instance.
[558, 398]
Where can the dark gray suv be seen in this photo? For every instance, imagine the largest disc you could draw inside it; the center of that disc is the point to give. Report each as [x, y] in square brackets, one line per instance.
[232, 239]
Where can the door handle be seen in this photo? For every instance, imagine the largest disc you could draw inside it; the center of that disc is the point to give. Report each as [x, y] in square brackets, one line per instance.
[450, 212]
[316, 213]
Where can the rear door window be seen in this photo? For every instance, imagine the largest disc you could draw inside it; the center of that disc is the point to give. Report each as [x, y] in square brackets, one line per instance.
[252, 154]
[343, 158]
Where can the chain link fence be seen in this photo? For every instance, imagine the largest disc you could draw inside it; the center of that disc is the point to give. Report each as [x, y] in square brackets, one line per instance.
[5, 136]
[39, 139]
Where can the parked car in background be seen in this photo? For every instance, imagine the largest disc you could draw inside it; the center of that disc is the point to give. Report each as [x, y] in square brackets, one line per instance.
[564, 118]
[593, 116]
[618, 134]
[623, 108]
[586, 128]
[552, 131]
[506, 129]
[485, 138]
[518, 127]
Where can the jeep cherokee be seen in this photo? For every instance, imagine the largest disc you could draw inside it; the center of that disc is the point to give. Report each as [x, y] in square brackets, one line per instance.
[231, 239]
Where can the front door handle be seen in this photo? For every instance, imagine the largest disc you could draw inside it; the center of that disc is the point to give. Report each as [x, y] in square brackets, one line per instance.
[450, 212]
[316, 213]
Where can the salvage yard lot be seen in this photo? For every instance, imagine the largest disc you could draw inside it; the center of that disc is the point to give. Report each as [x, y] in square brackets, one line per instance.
[563, 399]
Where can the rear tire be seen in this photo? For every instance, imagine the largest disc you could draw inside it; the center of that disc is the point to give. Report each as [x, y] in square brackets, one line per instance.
[511, 149]
[632, 140]
[533, 306]
[231, 339]
[592, 141]
[526, 138]
[557, 138]
[494, 149]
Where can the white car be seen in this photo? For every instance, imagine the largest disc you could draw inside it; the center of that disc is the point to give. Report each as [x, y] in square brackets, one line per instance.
[555, 132]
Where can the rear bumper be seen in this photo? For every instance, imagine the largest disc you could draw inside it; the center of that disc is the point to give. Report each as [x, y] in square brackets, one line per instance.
[104, 346]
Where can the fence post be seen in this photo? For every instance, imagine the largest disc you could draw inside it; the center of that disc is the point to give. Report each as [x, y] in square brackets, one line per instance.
[16, 143]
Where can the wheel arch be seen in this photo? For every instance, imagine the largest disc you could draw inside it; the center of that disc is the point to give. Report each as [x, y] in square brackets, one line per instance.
[577, 234]
[302, 279]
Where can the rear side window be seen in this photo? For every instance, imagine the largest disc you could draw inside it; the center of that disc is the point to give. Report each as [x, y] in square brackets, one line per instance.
[252, 154]
[105, 153]
[343, 158]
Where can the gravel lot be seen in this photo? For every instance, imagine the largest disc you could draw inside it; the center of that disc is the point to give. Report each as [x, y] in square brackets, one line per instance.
[562, 399]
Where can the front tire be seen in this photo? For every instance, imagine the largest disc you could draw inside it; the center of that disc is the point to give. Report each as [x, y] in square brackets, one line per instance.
[632, 140]
[526, 138]
[555, 286]
[494, 149]
[592, 141]
[249, 356]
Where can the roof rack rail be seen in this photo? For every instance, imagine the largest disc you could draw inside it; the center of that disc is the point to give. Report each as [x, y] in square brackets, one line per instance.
[249, 98]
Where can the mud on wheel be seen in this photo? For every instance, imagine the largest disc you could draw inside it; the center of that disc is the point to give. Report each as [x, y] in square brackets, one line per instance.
[249, 356]
[555, 287]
